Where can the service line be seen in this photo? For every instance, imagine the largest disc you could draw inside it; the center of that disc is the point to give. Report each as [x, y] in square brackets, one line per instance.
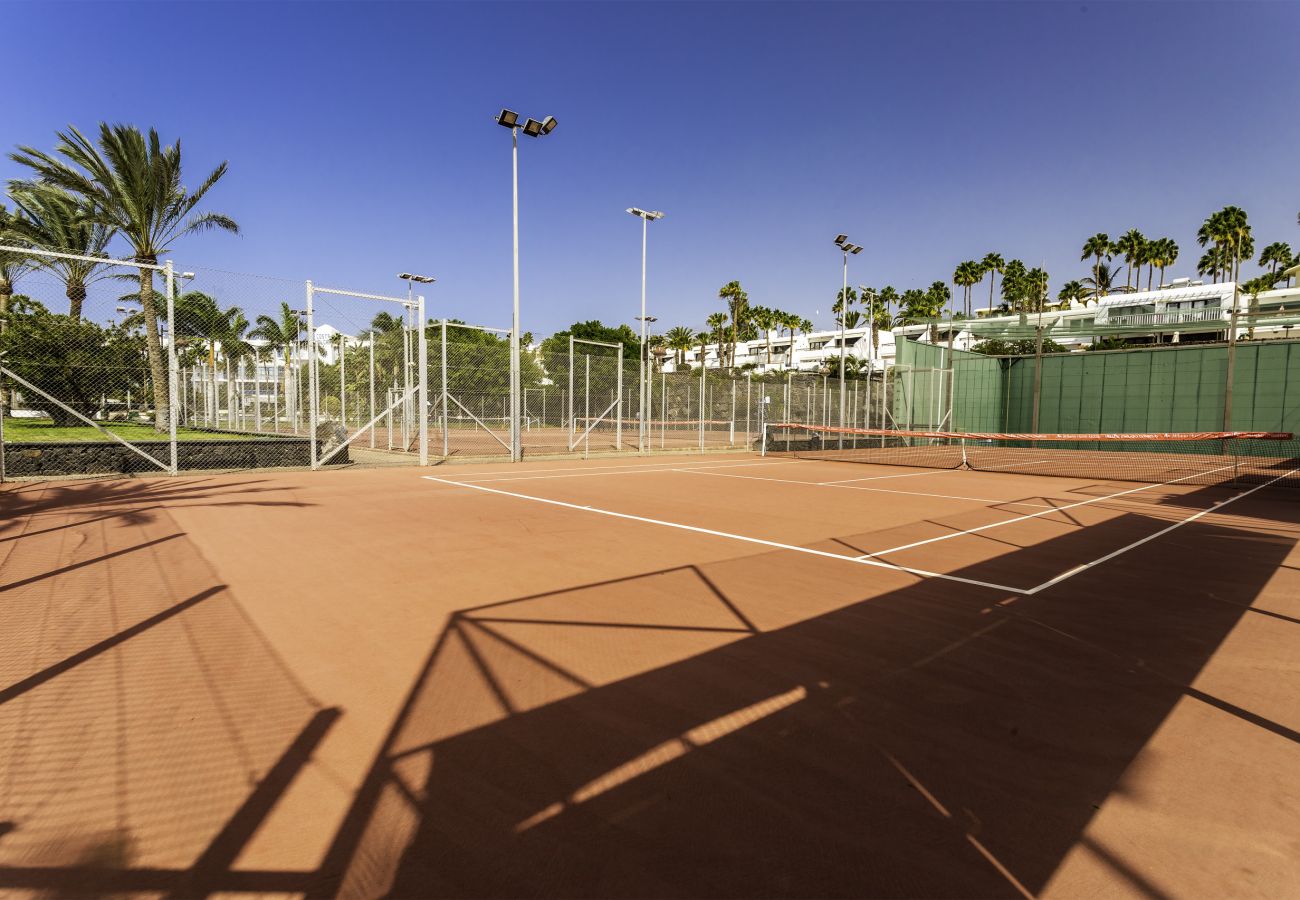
[921, 573]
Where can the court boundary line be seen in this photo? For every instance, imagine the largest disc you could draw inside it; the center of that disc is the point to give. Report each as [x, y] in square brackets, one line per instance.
[875, 563]
[1046, 512]
[507, 474]
[1051, 582]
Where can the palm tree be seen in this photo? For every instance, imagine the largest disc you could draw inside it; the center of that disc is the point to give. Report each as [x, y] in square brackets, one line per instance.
[1164, 253]
[1254, 287]
[1277, 255]
[736, 299]
[12, 266]
[1101, 283]
[679, 340]
[843, 299]
[703, 338]
[991, 266]
[199, 321]
[283, 333]
[881, 318]
[50, 217]
[132, 186]
[1034, 290]
[1230, 232]
[1132, 245]
[717, 323]
[921, 307]
[1070, 292]
[764, 320]
[791, 322]
[1013, 285]
[852, 319]
[234, 348]
[1096, 247]
[966, 276]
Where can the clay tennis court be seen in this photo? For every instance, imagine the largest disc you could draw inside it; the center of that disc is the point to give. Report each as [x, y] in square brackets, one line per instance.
[705, 676]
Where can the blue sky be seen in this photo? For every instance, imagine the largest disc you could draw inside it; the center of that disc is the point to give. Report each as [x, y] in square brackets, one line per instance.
[361, 142]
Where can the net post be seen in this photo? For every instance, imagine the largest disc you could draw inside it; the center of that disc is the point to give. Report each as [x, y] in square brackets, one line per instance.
[423, 362]
[446, 418]
[311, 376]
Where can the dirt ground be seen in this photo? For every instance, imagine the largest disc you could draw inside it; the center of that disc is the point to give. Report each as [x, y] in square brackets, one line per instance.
[699, 676]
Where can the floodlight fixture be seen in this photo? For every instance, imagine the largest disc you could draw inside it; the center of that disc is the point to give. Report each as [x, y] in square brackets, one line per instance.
[508, 117]
[422, 279]
[840, 239]
[533, 128]
[647, 318]
[548, 124]
[649, 214]
[853, 248]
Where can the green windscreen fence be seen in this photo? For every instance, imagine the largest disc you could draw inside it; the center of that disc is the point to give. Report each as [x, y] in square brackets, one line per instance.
[1143, 390]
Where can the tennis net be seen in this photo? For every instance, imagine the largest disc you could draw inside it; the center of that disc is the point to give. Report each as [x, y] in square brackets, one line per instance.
[1210, 457]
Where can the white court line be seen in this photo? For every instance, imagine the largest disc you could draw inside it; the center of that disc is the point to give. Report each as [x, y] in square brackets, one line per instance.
[853, 487]
[735, 537]
[619, 470]
[510, 467]
[1151, 537]
[881, 477]
[1046, 512]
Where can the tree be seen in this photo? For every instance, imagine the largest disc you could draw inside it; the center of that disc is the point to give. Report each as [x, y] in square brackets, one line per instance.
[1096, 247]
[792, 322]
[594, 330]
[921, 307]
[75, 361]
[844, 298]
[737, 300]
[283, 333]
[1101, 283]
[1013, 286]
[1025, 347]
[991, 266]
[132, 186]
[12, 265]
[852, 319]
[1070, 292]
[717, 323]
[1230, 233]
[1164, 253]
[966, 276]
[1211, 263]
[1034, 290]
[765, 320]
[199, 321]
[679, 339]
[881, 318]
[47, 216]
[1277, 255]
[1132, 245]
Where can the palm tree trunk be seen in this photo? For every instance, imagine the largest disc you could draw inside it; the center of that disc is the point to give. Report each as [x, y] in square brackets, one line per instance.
[76, 297]
[157, 367]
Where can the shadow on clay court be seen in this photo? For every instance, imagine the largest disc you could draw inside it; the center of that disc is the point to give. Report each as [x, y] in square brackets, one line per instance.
[923, 742]
[637, 737]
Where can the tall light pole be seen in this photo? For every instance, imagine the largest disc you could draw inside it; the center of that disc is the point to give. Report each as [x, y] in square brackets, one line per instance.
[533, 128]
[842, 241]
[408, 351]
[646, 217]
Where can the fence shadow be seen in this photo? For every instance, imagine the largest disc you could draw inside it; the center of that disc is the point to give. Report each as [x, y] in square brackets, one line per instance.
[925, 741]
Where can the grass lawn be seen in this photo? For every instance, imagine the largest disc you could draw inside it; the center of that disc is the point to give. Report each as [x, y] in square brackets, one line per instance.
[17, 430]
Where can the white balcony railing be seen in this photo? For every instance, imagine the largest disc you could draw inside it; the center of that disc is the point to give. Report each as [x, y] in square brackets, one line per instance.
[1169, 317]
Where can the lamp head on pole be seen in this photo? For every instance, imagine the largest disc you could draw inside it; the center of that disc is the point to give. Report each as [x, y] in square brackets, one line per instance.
[508, 117]
[647, 214]
[421, 279]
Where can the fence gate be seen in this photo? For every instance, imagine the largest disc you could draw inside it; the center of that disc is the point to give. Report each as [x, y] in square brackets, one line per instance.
[61, 371]
[595, 394]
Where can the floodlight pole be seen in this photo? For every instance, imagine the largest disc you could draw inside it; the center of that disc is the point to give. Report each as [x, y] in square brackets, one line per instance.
[422, 361]
[173, 371]
[516, 448]
[641, 369]
[311, 375]
[844, 308]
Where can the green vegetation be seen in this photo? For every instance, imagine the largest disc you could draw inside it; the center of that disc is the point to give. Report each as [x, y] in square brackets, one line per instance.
[18, 430]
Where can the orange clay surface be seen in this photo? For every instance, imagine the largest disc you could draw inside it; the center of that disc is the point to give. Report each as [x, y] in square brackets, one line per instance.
[433, 682]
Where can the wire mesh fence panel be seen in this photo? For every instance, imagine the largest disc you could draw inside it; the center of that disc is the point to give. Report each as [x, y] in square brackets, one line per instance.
[598, 415]
[86, 369]
[471, 408]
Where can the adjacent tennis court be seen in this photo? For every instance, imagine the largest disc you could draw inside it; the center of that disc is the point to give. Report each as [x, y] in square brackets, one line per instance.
[708, 676]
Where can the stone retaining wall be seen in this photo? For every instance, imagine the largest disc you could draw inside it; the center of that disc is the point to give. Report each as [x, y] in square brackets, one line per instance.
[106, 457]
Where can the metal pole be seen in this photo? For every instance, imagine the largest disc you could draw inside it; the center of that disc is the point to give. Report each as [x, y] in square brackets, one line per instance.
[446, 421]
[663, 408]
[423, 372]
[570, 441]
[371, 342]
[1230, 373]
[844, 308]
[343, 391]
[311, 375]
[618, 408]
[173, 372]
[641, 371]
[406, 372]
[516, 450]
[257, 391]
[586, 406]
[703, 373]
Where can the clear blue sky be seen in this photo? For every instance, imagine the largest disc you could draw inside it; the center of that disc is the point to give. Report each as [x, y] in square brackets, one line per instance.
[361, 142]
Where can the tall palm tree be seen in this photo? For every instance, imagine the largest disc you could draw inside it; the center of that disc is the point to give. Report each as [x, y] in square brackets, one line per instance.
[1034, 290]
[764, 320]
[1013, 285]
[133, 186]
[736, 299]
[1277, 255]
[1096, 247]
[234, 348]
[966, 276]
[922, 307]
[200, 322]
[791, 322]
[717, 323]
[1131, 245]
[844, 298]
[1164, 253]
[881, 319]
[49, 217]
[702, 338]
[1230, 232]
[680, 339]
[12, 266]
[283, 333]
[992, 265]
